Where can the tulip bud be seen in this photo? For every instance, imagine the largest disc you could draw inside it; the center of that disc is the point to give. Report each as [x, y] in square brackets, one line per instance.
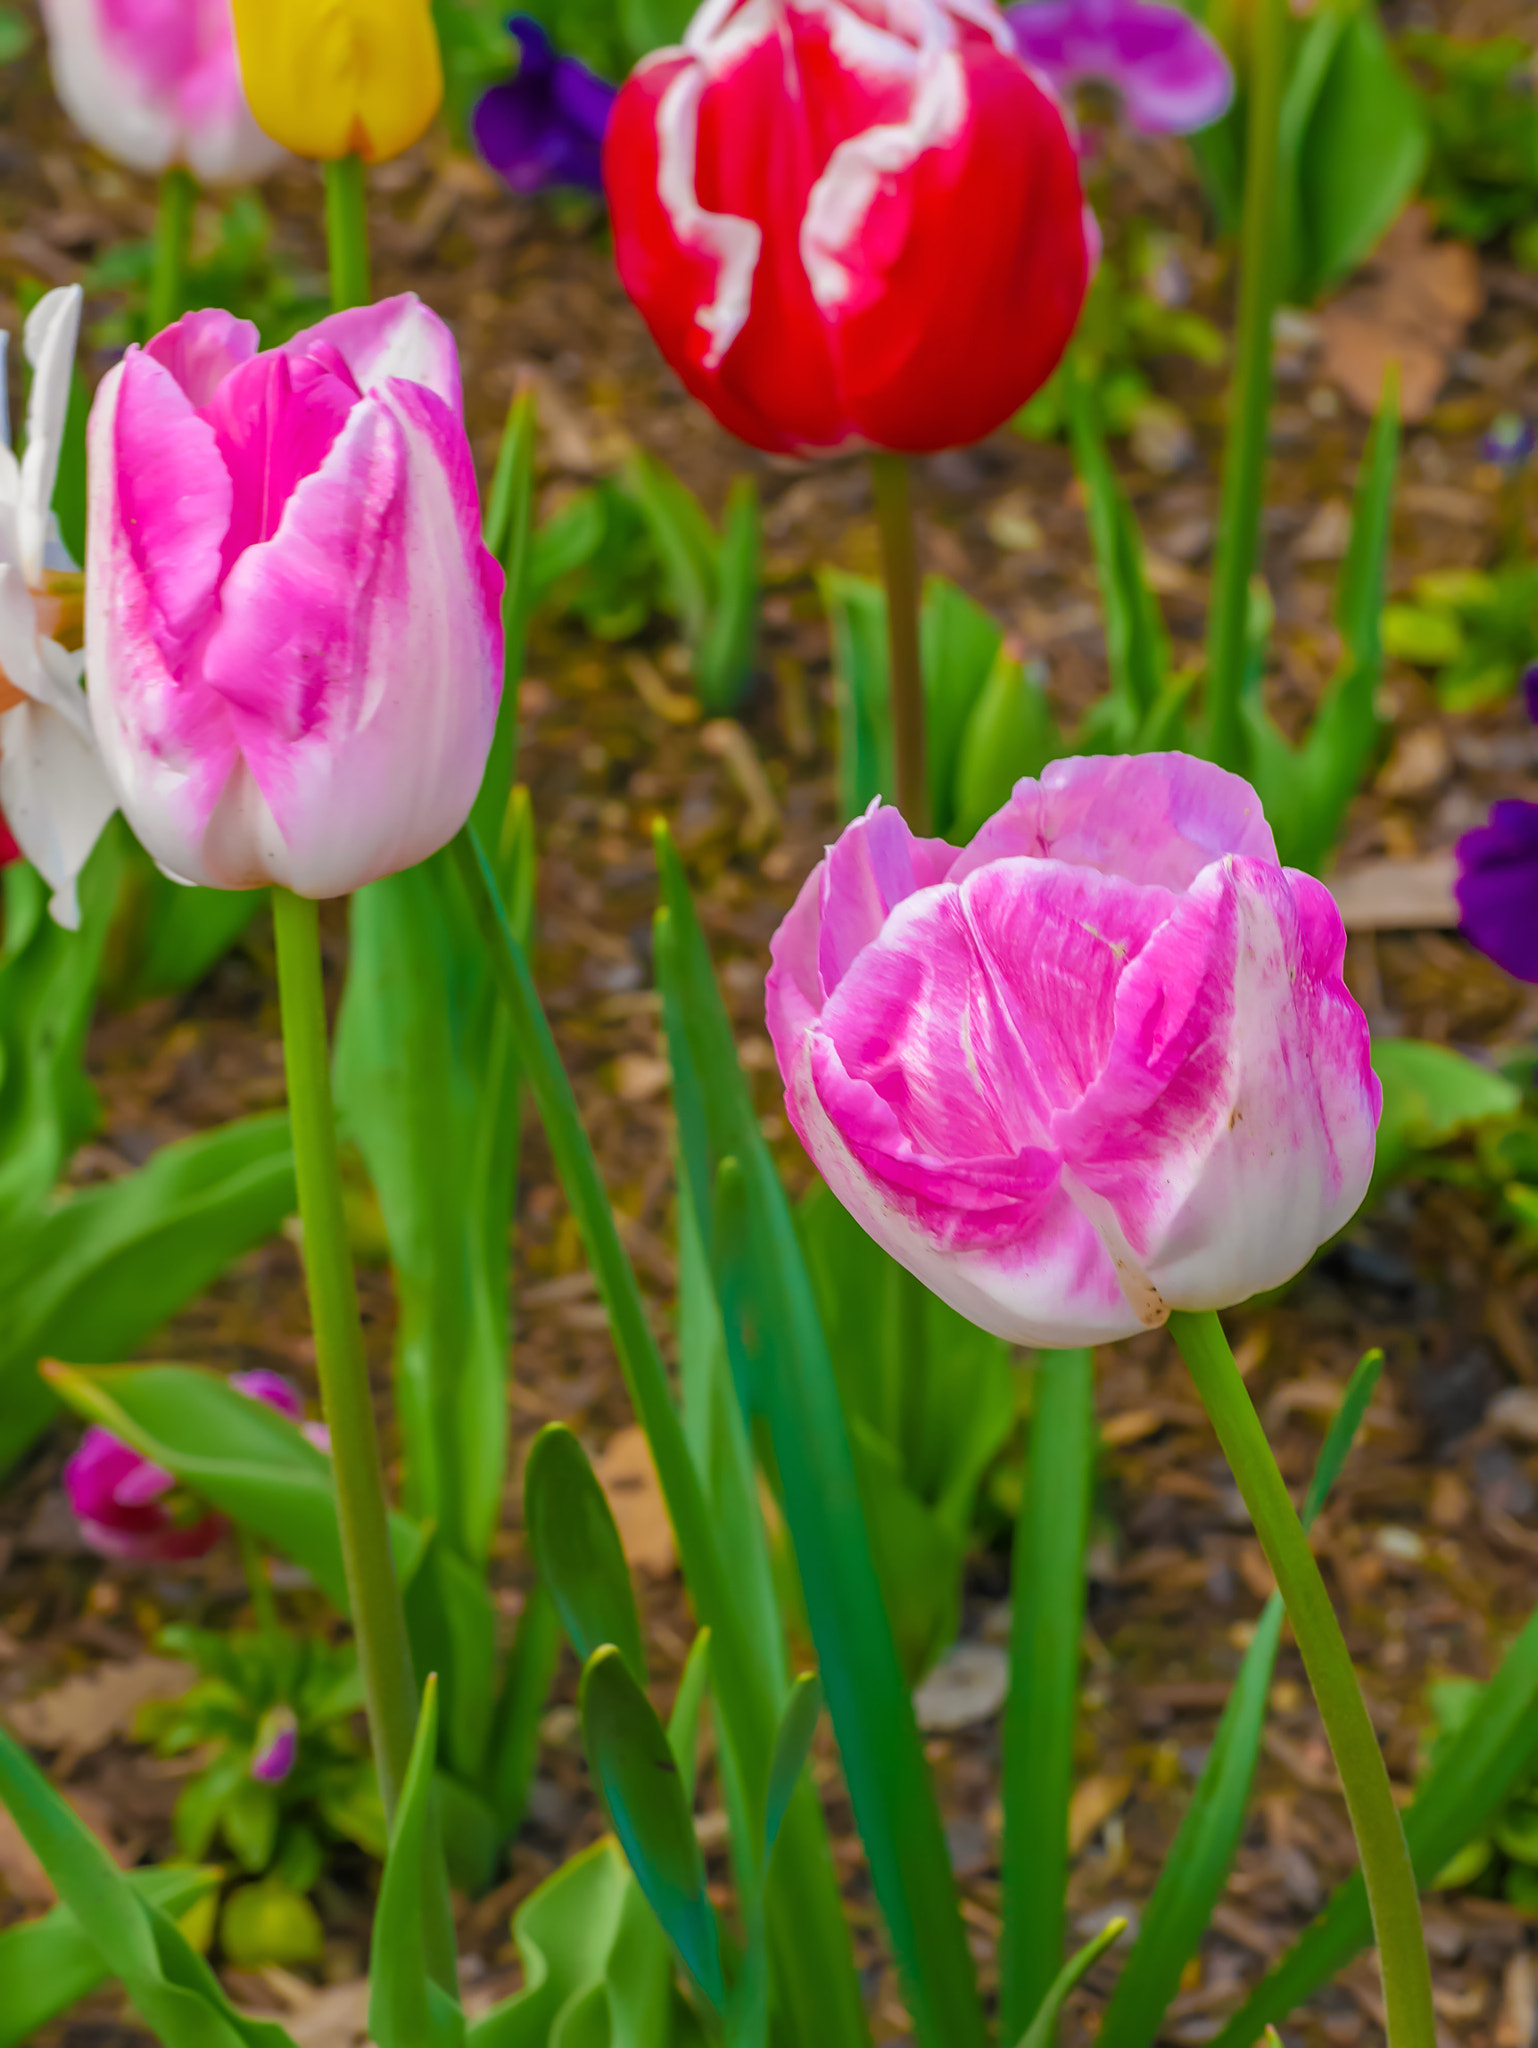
[156, 83]
[1097, 1066]
[293, 631]
[849, 223]
[330, 77]
[277, 1746]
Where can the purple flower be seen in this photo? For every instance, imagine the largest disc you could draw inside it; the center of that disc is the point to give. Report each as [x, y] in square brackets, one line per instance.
[1498, 877]
[1171, 75]
[545, 125]
[277, 1746]
[271, 1389]
[1509, 442]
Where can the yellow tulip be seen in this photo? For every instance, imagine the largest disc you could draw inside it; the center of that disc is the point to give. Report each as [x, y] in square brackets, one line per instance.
[327, 77]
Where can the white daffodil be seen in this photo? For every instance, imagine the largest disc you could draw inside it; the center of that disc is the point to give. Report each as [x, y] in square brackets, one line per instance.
[53, 794]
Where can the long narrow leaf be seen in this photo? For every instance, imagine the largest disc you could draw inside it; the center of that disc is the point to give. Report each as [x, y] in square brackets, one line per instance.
[577, 1547]
[406, 2009]
[1047, 1587]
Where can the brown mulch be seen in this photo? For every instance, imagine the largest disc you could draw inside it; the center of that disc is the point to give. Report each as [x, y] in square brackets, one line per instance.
[1431, 1540]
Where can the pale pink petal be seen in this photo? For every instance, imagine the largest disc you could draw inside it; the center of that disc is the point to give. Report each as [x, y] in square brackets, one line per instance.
[874, 865]
[1157, 818]
[397, 337]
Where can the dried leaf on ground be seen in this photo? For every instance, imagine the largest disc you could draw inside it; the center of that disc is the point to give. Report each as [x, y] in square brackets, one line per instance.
[93, 1706]
[629, 1479]
[1413, 307]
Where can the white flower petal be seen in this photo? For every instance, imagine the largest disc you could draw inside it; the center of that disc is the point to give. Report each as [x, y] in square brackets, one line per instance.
[52, 329]
[55, 797]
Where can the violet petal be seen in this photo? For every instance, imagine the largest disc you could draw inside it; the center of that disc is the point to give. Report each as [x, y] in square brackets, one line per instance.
[1498, 887]
[1171, 75]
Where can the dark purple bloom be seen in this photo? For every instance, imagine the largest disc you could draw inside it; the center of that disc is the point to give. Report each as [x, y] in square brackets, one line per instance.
[1498, 877]
[1510, 441]
[119, 1498]
[277, 1746]
[1171, 75]
[545, 125]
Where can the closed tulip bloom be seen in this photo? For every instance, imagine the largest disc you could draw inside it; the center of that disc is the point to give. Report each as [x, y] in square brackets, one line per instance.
[156, 83]
[1097, 1066]
[849, 224]
[293, 631]
[54, 795]
[328, 77]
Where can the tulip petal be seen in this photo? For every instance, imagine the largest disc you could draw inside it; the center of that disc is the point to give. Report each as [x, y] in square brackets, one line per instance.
[1158, 818]
[1498, 886]
[50, 334]
[201, 349]
[374, 581]
[53, 789]
[873, 867]
[1231, 1129]
[397, 337]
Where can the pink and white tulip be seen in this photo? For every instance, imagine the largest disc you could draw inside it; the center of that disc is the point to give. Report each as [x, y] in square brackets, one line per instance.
[1097, 1066]
[293, 631]
[156, 83]
[54, 797]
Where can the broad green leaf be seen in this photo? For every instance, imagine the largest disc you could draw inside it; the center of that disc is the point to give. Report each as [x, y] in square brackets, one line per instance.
[798, 1724]
[684, 1721]
[686, 542]
[1011, 732]
[406, 2009]
[772, 1323]
[1361, 155]
[237, 1454]
[578, 1550]
[46, 1965]
[1459, 1798]
[1197, 1866]
[1047, 1586]
[628, 1750]
[453, 1630]
[168, 1983]
[1042, 2031]
[1431, 1095]
[958, 645]
[856, 608]
[91, 1278]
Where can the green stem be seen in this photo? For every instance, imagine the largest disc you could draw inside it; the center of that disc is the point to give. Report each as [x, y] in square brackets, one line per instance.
[347, 233]
[1047, 1588]
[1244, 464]
[900, 573]
[255, 1567]
[378, 1616]
[173, 233]
[1386, 1868]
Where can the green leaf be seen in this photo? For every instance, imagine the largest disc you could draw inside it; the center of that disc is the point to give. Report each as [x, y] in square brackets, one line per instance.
[15, 35]
[168, 1983]
[237, 1454]
[249, 1819]
[780, 1359]
[798, 1724]
[684, 1721]
[1431, 1095]
[526, 1682]
[1011, 732]
[1047, 1587]
[270, 1924]
[628, 1750]
[856, 608]
[685, 540]
[47, 1964]
[723, 663]
[1197, 1866]
[577, 1547]
[406, 2009]
[509, 535]
[165, 937]
[453, 1629]
[1464, 1790]
[1042, 2031]
[959, 644]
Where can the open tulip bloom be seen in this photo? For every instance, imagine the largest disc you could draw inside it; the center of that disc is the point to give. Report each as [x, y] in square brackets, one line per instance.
[157, 83]
[1170, 76]
[1097, 1066]
[293, 631]
[54, 797]
[849, 225]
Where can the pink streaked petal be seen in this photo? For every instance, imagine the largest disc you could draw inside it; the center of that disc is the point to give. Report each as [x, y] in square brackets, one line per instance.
[872, 867]
[1052, 1283]
[792, 994]
[398, 337]
[276, 419]
[1153, 818]
[201, 350]
[1233, 1128]
[174, 501]
[271, 1389]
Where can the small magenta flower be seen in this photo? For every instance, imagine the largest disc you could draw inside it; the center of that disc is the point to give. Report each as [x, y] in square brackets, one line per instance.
[1498, 877]
[1171, 76]
[1096, 1066]
[277, 1746]
[263, 1384]
[545, 125]
[121, 1502]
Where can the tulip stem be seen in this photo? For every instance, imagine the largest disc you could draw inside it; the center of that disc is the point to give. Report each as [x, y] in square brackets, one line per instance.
[254, 1565]
[900, 572]
[378, 1615]
[1390, 1879]
[173, 233]
[1249, 419]
[347, 232]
